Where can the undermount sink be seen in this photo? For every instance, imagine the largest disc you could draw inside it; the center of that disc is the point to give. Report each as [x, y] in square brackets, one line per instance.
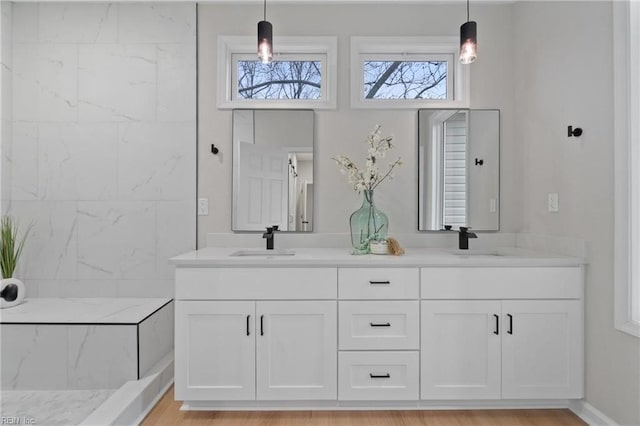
[476, 253]
[263, 253]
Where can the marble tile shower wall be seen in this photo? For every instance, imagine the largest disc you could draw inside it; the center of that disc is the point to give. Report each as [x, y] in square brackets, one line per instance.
[104, 145]
[6, 67]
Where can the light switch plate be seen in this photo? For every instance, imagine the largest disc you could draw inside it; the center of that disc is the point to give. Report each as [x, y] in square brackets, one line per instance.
[203, 206]
[552, 203]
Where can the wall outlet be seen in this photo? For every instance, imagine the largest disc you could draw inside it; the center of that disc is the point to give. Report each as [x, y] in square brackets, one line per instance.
[203, 206]
[552, 203]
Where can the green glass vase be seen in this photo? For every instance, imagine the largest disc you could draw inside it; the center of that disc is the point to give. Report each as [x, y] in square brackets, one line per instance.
[367, 224]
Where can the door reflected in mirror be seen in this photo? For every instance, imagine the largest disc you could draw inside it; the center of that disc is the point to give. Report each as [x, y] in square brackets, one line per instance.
[273, 170]
[458, 169]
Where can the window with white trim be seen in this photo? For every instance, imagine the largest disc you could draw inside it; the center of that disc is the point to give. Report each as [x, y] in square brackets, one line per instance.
[627, 166]
[301, 75]
[407, 72]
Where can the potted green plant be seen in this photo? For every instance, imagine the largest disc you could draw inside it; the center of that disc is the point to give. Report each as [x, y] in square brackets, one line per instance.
[12, 290]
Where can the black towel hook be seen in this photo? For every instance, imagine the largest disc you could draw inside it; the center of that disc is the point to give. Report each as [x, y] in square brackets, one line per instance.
[574, 132]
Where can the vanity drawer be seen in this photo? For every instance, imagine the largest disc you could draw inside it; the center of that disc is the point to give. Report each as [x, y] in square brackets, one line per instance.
[256, 283]
[378, 376]
[379, 325]
[502, 283]
[378, 283]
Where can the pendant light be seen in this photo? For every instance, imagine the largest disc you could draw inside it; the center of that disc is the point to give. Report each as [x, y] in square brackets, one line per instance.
[468, 40]
[265, 38]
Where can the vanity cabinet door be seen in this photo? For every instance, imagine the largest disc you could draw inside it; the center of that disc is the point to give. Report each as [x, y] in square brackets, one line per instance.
[460, 349]
[214, 350]
[542, 349]
[296, 350]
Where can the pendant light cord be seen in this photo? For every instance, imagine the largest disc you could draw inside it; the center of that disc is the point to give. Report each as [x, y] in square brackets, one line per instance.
[265, 9]
[467, 9]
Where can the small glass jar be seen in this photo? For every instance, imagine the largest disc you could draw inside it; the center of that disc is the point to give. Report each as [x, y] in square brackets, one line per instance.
[378, 247]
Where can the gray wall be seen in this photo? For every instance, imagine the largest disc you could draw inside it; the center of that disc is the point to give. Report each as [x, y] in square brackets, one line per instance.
[343, 131]
[565, 78]
[104, 145]
[545, 65]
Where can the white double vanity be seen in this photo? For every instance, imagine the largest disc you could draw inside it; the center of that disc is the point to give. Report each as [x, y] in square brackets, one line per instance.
[323, 329]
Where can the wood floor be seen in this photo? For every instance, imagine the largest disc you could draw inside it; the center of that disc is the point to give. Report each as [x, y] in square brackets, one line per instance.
[167, 412]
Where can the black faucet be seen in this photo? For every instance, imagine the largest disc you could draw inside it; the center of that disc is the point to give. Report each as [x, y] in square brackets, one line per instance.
[269, 236]
[463, 238]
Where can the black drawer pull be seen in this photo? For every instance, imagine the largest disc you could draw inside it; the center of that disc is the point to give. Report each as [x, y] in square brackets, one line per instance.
[377, 324]
[248, 316]
[379, 282]
[497, 330]
[262, 325]
[510, 331]
[380, 376]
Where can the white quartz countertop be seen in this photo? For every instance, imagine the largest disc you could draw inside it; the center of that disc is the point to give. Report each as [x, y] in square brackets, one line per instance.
[82, 310]
[416, 257]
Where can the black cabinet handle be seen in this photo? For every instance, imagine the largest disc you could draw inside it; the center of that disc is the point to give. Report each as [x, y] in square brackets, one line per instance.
[248, 316]
[262, 325]
[376, 324]
[497, 331]
[380, 376]
[510, 331]
[379, 282]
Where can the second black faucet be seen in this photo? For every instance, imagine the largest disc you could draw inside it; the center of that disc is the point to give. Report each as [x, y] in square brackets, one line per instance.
[463, 238]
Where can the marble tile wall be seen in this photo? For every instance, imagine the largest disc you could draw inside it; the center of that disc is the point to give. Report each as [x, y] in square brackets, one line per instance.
[6, 91]
[104, 145]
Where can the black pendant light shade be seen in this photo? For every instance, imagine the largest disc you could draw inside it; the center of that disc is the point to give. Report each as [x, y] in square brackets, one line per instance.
[265, 38]
[468, 40]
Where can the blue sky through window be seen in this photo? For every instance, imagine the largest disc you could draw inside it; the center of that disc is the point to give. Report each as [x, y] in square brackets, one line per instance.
[405, 79]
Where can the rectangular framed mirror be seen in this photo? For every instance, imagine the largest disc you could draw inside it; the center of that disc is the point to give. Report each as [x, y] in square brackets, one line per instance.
[273, 154]
[458, 169]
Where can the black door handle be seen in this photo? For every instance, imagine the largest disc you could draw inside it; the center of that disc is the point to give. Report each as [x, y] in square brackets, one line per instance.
[497, 331]
[262, 325]
[375, 324]
[380, 376]
[379, 282]
[248, 316]
[510, 331]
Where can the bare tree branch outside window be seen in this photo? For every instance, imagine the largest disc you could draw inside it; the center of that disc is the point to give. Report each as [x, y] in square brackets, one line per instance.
[280, 80]
[303, 80]
[405, 79]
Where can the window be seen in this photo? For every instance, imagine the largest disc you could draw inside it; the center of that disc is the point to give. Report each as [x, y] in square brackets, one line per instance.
[281, 79]
[405, 79]
[302, 74]
[407, 72]
[627, 166]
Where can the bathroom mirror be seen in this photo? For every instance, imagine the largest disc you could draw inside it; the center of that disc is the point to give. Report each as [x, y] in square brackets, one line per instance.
[458, 169]
[273, 170]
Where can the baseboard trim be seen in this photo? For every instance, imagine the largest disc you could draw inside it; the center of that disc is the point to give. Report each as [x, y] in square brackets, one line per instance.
[333, 405]
[590, 414]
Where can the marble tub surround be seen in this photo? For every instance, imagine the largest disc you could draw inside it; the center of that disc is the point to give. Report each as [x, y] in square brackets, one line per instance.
[58, 344]
[124, 311]
[104, 145]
